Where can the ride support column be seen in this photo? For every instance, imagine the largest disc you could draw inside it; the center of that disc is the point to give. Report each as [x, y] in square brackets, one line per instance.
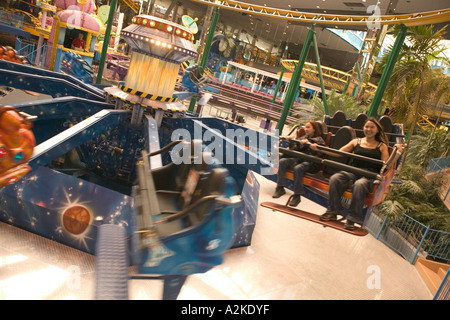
[101, 65]
[205, 54]
[387, 71]
[295, 80]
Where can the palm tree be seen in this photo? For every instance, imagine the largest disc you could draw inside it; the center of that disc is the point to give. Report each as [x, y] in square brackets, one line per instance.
[418, 195]
[441, 96]
[335, 102]
[410, 86]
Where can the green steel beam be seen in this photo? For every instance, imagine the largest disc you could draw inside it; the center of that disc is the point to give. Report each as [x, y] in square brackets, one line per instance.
[355, 88]
[278, 84]
[295, 80]
[101, 66]
[387, 71]
[347, 84]
[205, 54]
[319, 69]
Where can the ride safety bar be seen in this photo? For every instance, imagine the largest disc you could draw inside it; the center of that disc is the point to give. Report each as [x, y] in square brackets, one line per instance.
[334, 164]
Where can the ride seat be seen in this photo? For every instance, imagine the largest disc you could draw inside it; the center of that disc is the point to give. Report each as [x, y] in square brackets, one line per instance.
[189, 208]
[343, 136]
[326, 135]
[173, 176]
[339, 119]
[386, 123]
[183, 232]
[388, 127]
[358, 124]
[189, 192]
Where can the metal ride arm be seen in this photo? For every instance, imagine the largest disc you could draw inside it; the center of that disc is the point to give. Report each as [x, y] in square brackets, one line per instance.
[146, 198]
[165, 148]
[336, 152]
[390, 161]
[234, 200]
[337, 165]
[176, 215]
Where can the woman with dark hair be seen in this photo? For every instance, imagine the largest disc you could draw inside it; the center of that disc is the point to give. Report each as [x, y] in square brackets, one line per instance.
[313, 134]
[372, 145]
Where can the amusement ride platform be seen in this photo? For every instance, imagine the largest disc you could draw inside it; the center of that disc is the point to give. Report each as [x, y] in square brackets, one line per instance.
[288, 259]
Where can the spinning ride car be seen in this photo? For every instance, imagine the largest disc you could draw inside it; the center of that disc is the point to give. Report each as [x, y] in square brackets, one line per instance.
[337, 132]
[183, 225]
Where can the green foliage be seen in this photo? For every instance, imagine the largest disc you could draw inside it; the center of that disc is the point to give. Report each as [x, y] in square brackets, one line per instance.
[412, 87]
[427, 146]
[415, 89]
[335, 102]
[418, 195]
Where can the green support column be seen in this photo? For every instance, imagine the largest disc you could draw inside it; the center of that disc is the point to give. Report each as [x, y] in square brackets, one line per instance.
[355, 88]
[322, 87]
[295, 80]
[205, 54]
[101, 66]
[387, 72]
[278, 85]
[347, 84]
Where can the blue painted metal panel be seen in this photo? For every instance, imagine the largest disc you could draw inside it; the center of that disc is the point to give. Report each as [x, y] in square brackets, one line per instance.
[63, 208]
[245, 214]
[43, 81]
[237, 148]
[62, 108]
[67, 140]
[256, 161]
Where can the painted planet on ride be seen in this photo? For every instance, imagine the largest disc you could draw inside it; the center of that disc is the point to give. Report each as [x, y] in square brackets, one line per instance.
[76, 219]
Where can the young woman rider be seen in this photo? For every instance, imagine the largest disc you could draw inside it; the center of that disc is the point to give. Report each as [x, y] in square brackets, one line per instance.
[313, 134]
[373, 145]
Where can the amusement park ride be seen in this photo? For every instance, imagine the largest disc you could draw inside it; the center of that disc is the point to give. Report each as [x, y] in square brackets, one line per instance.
[99, 181]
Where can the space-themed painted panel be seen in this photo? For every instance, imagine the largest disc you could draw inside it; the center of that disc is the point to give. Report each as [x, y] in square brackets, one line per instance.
[63, 208]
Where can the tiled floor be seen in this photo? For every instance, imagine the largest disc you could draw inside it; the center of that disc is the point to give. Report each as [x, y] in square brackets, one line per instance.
[289, 258]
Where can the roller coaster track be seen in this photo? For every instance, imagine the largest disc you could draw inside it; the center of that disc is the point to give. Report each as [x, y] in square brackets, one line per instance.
[411, 19]
[331, 77]
[133, 6]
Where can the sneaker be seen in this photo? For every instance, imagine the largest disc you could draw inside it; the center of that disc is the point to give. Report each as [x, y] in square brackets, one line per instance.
[327, 216]
[349, 225]
[279, 191]
[295, 200]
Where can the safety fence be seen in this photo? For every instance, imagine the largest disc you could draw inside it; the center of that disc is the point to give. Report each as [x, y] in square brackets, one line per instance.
[29, 50]
[410, 238]
[443, 292]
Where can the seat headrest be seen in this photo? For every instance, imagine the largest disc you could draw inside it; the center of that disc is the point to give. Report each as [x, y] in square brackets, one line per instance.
[339, 119]
[209, 183]
[358, 123]
[343, 136]
[323, 126]
[386, 123]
